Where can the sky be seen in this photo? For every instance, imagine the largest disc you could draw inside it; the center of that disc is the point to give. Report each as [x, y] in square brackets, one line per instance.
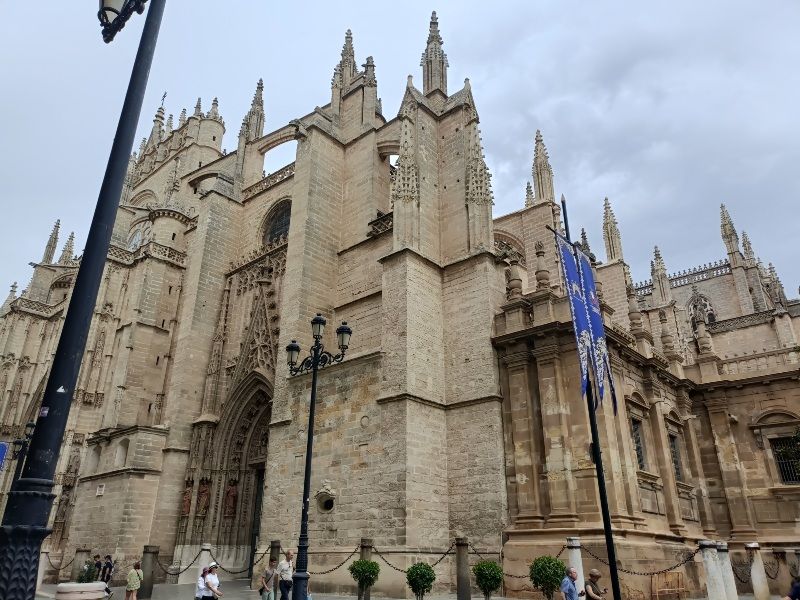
[666, 108]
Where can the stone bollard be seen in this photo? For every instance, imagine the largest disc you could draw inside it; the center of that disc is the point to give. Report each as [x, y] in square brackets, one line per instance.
[758, 576]
[463, 591]
[715, 586]
[149, 559]
[728, 580]
[574, 559]
[783, 576]
[275, 552]
[81, 591]
[81, 556]
[366, 554]
[44, 556]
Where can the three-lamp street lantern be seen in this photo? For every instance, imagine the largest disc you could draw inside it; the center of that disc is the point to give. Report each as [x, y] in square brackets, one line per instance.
[317, 359]
[30, 499]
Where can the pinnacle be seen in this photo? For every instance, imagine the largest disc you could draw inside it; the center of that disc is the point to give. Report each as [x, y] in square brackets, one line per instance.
[198, 109]
[433, 33]
[347, 50]
[13, 289]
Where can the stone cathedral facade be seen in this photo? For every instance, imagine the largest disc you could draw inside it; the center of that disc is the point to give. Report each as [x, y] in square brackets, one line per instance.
[456, 411]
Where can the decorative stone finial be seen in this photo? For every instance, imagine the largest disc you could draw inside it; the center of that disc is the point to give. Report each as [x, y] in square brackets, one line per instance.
[542, 272]
[182, 118]
[728, 231]
[513, 280]
[528, 195]
[611, 235]
[634, 314]
[434, 60]
[198, 109]
[747, 247]
[52, 242]
[68, 251]
[542, 171]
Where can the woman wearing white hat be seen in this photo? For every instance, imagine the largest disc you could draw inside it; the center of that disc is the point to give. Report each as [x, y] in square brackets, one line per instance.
[212, 581]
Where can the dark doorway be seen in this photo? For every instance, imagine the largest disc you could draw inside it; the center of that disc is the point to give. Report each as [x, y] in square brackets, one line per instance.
[256, 518]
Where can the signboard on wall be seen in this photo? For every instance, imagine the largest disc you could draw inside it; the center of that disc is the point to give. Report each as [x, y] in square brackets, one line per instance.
[3, 454]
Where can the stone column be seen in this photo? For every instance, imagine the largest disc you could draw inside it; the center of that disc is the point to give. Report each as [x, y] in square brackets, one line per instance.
[733, 477]
[81, 556]
[149, 559]
[574, 559]
[714, 582]
[366, 554]
[724, 559]
[463, 591]
[44, 556]
[758, 576]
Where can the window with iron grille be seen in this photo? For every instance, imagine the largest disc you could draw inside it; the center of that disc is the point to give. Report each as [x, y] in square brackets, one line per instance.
[278, 226]
[787, 458]
[676, 456]
[638, 442]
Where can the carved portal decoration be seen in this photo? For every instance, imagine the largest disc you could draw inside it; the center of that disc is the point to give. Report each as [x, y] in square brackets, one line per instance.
[203, 497]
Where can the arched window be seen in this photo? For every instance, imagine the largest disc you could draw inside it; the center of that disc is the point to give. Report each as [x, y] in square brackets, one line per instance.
[701, 309]
[277, 223]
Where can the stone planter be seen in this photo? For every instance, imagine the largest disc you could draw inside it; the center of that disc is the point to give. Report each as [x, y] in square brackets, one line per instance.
[81, 591]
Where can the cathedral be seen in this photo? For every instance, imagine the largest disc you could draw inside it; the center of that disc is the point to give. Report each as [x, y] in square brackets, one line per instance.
[457, 409]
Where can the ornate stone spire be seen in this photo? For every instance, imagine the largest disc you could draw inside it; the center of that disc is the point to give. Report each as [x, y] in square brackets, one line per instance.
[369, 73]
[478, 192]
[405, 192]
[611, 235]
[12, 295]
[729, 235]
[778, 293]
[182, 118]
[542, 171]
[214, 112]
[747, 247]
[434, 61]
[169, 126]
[253, 123]
[529, 199]
[52, 242]
[158, 128]
[198, 109]
[68, 251]
[662, 292]
[345, 71]
[142, 148]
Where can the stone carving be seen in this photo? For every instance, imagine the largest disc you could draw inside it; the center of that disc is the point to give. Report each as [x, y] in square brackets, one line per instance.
[186, 502]
[231, 495]
[203, 497]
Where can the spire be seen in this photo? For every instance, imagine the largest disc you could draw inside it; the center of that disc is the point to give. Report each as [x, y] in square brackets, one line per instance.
[68, 251]
[434, 61]
[542, 171]
[369, 73]
[405, 189]
[12, 295]
[478, 192]
[52, 242]
[747, 247]
[182, 118]
[214, 112]
[155, 133]
[662, 292]
[528, 195]
[253, 123]
[345, 71]
[611, 235]
[142, 148]
[169, 124]
[198, 109]
[729, 235]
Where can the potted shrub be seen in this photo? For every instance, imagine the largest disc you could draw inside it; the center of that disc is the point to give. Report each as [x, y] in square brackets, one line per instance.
[365, 574]
[420, 578]
[546, 574]
[488, 577]
[88, 573]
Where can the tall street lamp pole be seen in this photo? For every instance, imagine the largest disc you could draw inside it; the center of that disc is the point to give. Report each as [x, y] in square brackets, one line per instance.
[318, 359]
[24, 525]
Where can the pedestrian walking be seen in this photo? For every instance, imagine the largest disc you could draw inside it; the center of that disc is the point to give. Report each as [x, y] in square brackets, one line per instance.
[135, 577]
[568, 589]
[98, 565]
[202, 591]
[794, 592]
[285, 572]
[592, 587]
[105, 574]
[212, 581]
[267, 590]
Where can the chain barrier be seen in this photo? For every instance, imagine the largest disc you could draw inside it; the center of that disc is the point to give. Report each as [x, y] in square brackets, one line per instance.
[383, 558]
[478, 554]
[245, 570]
[777, 569]
[170, 573]
[794, 569]
[687, 559]
[736, 566]
[62, 565]
[446, 552]
[341, 564]
[512, 576]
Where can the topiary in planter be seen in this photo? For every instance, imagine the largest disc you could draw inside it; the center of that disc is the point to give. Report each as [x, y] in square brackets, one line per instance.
[488, 577]
[420, 578]
[365, 574]
[88, 573]
[546, 575]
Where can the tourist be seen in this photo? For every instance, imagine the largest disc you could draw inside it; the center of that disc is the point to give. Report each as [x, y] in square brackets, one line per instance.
[202, 591]
[105, 574]
[568, 589]
[212, 581]
[135, 577]
[285, 572]
[794, 593]
[593, 590]
[98, 565]
[268, 580]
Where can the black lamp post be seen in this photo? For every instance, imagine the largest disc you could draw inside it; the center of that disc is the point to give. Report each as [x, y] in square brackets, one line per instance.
[27, 511]
[318, 359]
[20, 450]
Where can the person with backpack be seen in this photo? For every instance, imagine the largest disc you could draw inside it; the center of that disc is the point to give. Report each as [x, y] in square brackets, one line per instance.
[135, 577]
[105, 574]
[268, 579]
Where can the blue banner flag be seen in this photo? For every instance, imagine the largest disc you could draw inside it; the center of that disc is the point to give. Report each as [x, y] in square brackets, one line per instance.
[3, 453]
[577, 305]
[600, 361]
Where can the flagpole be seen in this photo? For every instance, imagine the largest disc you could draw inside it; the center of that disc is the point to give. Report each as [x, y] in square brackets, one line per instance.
[598, 461]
